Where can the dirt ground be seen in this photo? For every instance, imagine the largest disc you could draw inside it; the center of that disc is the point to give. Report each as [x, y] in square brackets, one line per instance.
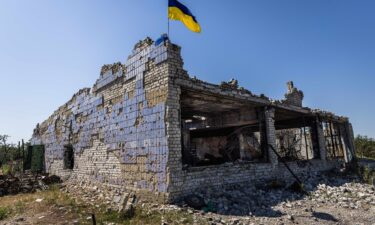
[332, 199]
[55, 207]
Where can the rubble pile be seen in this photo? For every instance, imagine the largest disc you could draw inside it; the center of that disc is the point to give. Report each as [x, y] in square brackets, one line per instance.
[25, 183]
[266, 199]
[349, 195]
[276, 200]
[114, 198]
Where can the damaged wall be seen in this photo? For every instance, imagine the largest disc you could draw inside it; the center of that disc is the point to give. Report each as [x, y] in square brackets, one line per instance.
[194, 97]
[129, 130]
[293, 97]
[117, 129]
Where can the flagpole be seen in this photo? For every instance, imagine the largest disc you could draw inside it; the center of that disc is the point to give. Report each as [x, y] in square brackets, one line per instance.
[168, 15]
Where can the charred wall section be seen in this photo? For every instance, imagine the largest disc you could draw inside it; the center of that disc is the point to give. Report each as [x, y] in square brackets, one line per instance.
[217, 130]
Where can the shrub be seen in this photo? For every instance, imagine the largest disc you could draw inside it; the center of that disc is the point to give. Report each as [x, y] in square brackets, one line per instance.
[365, 147]
[6, 169]
[4, 212]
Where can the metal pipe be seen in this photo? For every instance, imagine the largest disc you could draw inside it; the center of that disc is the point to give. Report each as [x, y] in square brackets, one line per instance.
[288, 168]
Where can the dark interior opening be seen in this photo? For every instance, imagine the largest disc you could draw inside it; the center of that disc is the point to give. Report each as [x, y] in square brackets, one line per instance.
[68, 157]
[297, 138]
[334, 139]
[218, 130]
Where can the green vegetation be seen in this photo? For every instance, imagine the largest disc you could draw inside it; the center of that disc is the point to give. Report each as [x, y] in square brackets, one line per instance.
[4, 213]
[367, 174]
[5, 169]
[11, 156]
[365, 147]
[8, 152]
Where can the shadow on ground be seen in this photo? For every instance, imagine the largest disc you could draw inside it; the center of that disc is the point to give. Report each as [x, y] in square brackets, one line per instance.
[324, 216]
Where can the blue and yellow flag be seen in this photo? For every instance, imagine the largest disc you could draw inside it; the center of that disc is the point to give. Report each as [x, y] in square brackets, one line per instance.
[177, 11]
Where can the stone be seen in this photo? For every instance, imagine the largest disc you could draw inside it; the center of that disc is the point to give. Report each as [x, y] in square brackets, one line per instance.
[20, 219]
[117, 199]
[361, 195]
[24, 183]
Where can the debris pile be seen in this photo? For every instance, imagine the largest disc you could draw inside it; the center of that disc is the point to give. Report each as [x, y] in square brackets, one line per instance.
[26, 183]
[268, 199]
[330, 195]
[114, 198]
[350, 195]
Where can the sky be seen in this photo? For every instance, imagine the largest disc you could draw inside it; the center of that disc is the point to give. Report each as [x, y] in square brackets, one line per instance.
[49, 49]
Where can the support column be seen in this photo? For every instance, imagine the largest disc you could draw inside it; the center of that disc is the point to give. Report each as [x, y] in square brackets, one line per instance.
[321, 140]
[349, 136]
[186, 149]
[242, 140]
[315, 139]
[271, 135]
[343, 143]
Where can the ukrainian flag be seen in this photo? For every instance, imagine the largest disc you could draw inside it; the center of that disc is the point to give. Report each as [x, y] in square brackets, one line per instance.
[177, 11]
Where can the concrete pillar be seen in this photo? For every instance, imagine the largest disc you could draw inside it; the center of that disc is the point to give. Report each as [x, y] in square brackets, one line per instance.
[343, 143]
[349, 136]
[271, 135]
[321, 140]
[241, 139]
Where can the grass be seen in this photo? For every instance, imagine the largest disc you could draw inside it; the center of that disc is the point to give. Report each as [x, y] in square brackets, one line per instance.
[4, 213]
[62, 208]
[5, 169]
[367, 174]
[11, 168]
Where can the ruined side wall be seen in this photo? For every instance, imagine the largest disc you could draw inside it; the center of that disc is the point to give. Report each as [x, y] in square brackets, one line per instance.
[195, 179]
[173, 123]
[185, 181]
[117, 129]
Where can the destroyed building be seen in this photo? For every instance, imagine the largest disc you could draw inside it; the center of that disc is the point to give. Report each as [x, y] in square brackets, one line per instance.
[148, 127]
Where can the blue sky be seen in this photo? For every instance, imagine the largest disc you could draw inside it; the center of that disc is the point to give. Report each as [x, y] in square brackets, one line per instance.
[51, 49]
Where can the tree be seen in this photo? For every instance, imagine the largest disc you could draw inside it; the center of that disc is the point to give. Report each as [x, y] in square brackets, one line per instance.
[3, 148]
[365, 146]
[8, 152]
[3, 139]
[10, 156]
